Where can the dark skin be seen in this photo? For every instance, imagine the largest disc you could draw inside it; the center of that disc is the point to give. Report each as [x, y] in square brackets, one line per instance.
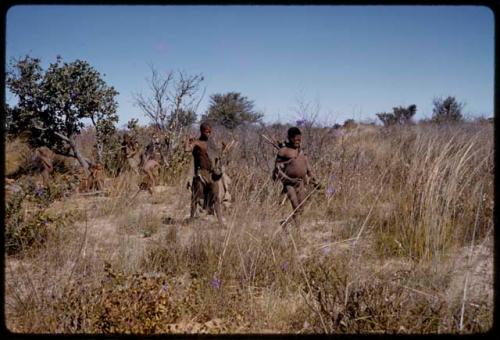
[149, 165]
[150, 169]
[95, 180]
[97, 177]
[130, 151]
[199, 147]
[152, 149]
[293, 168]
[203, 188]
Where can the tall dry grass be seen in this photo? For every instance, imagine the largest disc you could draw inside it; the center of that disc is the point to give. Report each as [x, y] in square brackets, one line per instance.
[375, 251]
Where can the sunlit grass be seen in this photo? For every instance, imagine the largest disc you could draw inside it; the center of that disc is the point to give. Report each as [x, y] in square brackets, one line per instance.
[375, 253]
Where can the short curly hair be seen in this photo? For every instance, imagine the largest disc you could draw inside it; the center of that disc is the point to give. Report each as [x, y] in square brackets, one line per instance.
[205, 125]
[293, 131]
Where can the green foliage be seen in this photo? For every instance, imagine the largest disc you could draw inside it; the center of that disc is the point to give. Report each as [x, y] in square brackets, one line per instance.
[137, 304]
[106, 138]
[111, 153]
[24, 79]
[27, 220]
[399, 116]
[182, 118]
[21, 235]
[447, 110]
[349, 124]
[52, 104]
[142, 306]
[133, 124]
[178, 162]
[13, 221]
[231, 110]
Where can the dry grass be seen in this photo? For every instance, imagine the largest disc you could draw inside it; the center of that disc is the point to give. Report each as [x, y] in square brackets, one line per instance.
[398, 242]
[17, 155]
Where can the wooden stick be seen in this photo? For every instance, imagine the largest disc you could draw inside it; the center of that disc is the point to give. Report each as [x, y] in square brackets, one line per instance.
[283, 201]
[133, 197]
[270, 141]
[90, 193]
[285, 221]
[336, 242]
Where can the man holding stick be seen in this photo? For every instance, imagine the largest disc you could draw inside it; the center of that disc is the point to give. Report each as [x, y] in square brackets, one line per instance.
[205, 186]
[292, 169]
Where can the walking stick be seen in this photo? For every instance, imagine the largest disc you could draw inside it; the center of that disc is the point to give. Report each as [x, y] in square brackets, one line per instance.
[285, 221]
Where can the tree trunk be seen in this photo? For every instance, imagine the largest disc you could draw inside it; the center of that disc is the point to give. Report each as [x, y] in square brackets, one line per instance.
[99, 151]
[82, 160]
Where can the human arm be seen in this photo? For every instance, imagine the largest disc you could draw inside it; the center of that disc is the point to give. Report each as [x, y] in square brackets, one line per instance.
[189, 144]
[281, 159]
[310, 174]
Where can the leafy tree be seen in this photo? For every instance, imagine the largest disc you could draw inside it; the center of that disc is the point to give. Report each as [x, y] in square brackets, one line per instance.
[53, 104]
[349, 124]
[183, 117]
[133, 124]
[447, 110]
[231, 110]
[399, 116]
[8, 123]
[105, 138]
[387, 118]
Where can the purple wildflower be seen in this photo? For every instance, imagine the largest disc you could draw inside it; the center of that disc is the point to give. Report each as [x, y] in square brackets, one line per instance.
[326, 250]
[215, 283]
[39, 192]
[284, 266]
[329, 191]
[164, 288]
[300, 122]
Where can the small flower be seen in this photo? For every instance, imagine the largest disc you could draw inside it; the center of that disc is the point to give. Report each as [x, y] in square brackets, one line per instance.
[284, 266]
[215, 283]
[326, 250]
[329, 191]
[39, 192]
[164, 288]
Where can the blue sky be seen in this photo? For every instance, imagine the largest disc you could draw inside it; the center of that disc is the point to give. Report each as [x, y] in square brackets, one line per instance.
[349, 61]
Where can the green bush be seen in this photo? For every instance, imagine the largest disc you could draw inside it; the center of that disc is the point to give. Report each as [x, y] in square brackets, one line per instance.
[27, 220]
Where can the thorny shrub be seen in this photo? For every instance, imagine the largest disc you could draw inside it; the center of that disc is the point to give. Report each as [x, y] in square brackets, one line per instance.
[27, 220]
[136, 304]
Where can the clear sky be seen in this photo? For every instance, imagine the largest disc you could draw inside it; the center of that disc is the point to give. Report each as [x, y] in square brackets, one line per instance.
[351, 61]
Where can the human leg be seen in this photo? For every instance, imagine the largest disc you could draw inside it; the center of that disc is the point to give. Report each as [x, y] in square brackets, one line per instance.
[215, 201]
[196, 195]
